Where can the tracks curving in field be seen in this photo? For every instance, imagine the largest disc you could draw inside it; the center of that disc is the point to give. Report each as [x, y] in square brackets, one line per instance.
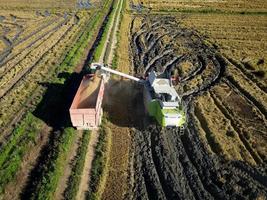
[193, 163]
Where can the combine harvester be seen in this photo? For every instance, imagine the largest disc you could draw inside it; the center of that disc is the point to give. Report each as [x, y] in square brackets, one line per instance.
[160, 99]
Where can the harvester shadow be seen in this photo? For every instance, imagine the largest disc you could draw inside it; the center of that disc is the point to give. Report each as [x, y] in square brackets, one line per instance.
[123, 103]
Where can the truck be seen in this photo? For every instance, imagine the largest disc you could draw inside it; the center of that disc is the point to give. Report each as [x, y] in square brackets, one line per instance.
[86, 108]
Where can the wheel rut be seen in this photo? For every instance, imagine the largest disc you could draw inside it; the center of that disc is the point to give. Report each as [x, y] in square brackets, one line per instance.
[174, 164]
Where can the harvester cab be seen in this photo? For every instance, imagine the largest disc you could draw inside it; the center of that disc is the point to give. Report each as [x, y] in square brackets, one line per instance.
[162, 101]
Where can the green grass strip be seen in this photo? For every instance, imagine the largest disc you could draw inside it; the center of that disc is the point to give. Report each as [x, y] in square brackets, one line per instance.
[115, 58]
[11, 154]
[47, 186]
[100, 46]
[98, 165]
[77, 50]
[75, 177]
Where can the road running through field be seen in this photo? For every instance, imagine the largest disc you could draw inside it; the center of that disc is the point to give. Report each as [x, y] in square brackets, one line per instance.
[111, 40]
[85, 177]
[85, 180]
[63, 183]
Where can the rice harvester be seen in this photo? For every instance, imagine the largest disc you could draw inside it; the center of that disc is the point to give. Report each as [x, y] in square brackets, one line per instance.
[160, 98]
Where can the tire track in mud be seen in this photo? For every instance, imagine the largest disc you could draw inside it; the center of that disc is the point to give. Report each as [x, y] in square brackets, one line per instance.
[223, 170]
[172, 163]
[193, 183]
[209, 82]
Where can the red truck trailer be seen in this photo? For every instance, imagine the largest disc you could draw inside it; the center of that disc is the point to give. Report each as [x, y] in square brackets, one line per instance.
[86, 108]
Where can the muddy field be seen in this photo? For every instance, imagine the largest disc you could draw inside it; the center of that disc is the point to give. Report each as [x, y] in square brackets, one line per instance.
[221, 151]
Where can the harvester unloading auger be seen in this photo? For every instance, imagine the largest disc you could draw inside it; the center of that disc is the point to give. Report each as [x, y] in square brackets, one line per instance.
[160, 99]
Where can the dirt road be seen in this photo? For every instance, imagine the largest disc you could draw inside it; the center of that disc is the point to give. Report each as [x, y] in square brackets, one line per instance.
[85, 177]
[113, 37]
[84, 184]
[122, 99]
[63, 183]
[111, 40]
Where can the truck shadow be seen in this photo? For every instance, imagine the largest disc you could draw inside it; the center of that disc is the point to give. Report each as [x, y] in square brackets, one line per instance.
[54, 106]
